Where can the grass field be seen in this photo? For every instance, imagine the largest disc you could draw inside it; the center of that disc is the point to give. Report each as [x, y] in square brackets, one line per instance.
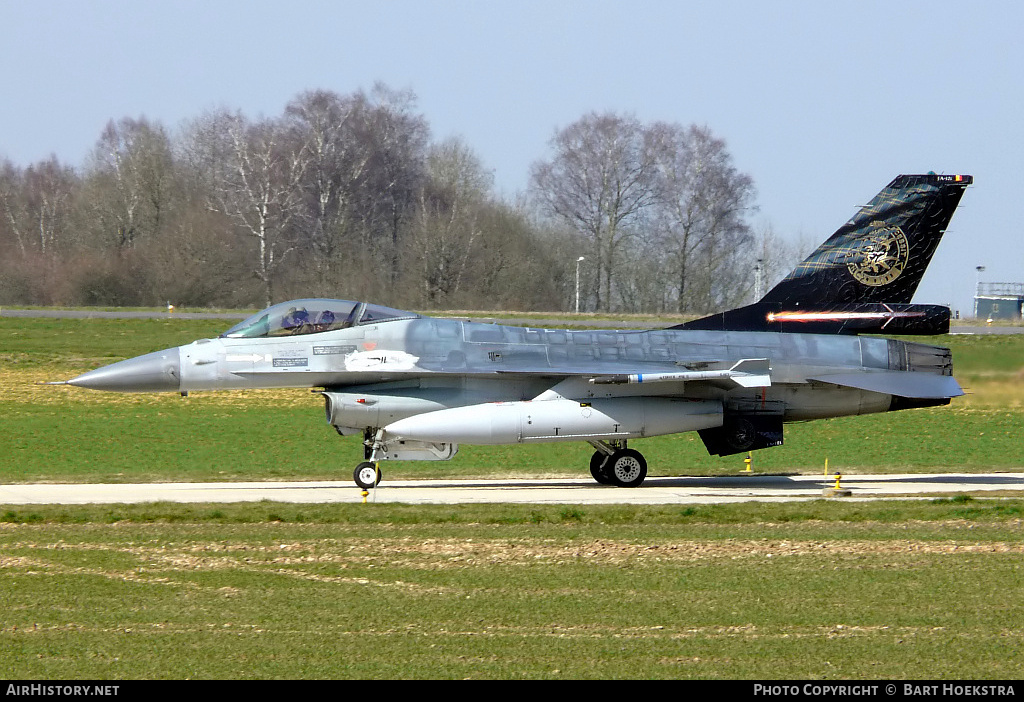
[282, 591]
[819, 590]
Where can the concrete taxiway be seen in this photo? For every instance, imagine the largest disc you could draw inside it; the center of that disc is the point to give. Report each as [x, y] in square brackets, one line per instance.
[674, 490]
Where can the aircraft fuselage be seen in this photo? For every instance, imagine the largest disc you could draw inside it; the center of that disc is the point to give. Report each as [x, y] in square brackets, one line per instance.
[444, 363]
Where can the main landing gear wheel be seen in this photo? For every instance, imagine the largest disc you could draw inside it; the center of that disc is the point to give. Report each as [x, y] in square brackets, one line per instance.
[367, 475]
[599, 467]
[626, 468]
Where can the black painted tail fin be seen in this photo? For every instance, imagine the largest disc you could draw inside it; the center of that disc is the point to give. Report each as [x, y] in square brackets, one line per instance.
[863, 277]
[881, 254]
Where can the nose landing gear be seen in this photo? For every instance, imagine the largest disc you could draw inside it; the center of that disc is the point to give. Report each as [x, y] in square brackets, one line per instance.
[367, 475]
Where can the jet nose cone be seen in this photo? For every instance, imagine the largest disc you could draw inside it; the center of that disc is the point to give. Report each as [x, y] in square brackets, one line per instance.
[152, 372]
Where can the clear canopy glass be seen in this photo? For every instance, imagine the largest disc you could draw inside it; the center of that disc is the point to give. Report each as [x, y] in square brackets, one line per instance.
[312, 317]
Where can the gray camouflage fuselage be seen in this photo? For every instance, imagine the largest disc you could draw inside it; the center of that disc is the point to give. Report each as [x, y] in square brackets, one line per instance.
[441, 363]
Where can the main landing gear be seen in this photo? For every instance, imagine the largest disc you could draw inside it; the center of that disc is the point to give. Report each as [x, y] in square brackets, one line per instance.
[611, 464]
[614, 464]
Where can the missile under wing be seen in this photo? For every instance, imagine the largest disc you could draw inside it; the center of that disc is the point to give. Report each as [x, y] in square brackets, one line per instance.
[415, 387]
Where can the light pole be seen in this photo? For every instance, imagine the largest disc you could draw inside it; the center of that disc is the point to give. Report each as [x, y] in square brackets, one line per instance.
[578, 261]
[757, 279]
[977, 289]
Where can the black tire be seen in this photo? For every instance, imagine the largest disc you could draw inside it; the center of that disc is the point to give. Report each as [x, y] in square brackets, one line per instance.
[599, 468]
[626, 468]
[367, 475]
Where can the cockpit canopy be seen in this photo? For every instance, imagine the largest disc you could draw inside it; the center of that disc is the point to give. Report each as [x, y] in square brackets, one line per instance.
[311, 317]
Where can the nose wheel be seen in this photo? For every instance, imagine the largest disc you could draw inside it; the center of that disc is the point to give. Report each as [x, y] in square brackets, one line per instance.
[367, 475]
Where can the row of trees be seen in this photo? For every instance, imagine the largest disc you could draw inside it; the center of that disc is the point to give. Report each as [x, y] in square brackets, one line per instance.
[348, 196]
[661, 209]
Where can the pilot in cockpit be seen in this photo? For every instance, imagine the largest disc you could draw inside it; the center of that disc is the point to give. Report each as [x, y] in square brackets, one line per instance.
[295, 320]
[323, 321]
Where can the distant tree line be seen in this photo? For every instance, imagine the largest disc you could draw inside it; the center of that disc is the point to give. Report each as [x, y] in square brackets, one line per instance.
[348, 196]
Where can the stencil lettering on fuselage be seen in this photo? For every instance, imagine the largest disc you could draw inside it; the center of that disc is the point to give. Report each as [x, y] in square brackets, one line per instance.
[380, 360]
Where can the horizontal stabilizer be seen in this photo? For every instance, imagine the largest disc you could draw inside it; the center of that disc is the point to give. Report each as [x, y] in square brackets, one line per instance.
[924, 386]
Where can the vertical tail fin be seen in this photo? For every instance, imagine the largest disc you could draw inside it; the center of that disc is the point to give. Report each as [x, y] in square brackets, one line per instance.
[863, 277]
[881, 254]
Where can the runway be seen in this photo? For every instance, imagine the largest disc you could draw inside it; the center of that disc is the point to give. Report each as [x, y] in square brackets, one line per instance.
[655, 491]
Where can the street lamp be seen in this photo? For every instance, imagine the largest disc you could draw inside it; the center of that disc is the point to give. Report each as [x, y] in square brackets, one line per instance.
[578, 261]
[977, 289]
[757, 279]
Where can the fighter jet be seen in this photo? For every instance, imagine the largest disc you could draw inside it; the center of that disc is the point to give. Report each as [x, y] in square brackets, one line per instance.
[416, 387]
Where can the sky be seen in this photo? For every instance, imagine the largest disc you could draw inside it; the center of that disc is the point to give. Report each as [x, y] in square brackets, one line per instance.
[822, 103]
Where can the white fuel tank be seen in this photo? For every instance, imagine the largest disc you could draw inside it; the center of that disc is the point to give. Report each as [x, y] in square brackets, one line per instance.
[560, 420]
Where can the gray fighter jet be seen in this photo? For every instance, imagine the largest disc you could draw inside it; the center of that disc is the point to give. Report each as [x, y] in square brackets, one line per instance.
[415, 387]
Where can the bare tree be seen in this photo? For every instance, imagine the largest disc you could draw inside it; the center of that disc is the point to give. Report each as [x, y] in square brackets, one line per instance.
[771, 258]
[329, 126]
[702, 205]
[600, 182]
[259, 186]
[129, 181]
[36, 204]
[36, 230]
[447, 221]
[516, 264]
[396, 138]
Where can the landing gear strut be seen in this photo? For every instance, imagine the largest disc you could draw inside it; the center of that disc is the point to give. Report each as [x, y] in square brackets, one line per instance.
[614, 464]
[368, 474]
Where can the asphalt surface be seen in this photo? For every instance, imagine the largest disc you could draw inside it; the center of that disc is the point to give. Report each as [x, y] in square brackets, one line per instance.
[654, 491]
